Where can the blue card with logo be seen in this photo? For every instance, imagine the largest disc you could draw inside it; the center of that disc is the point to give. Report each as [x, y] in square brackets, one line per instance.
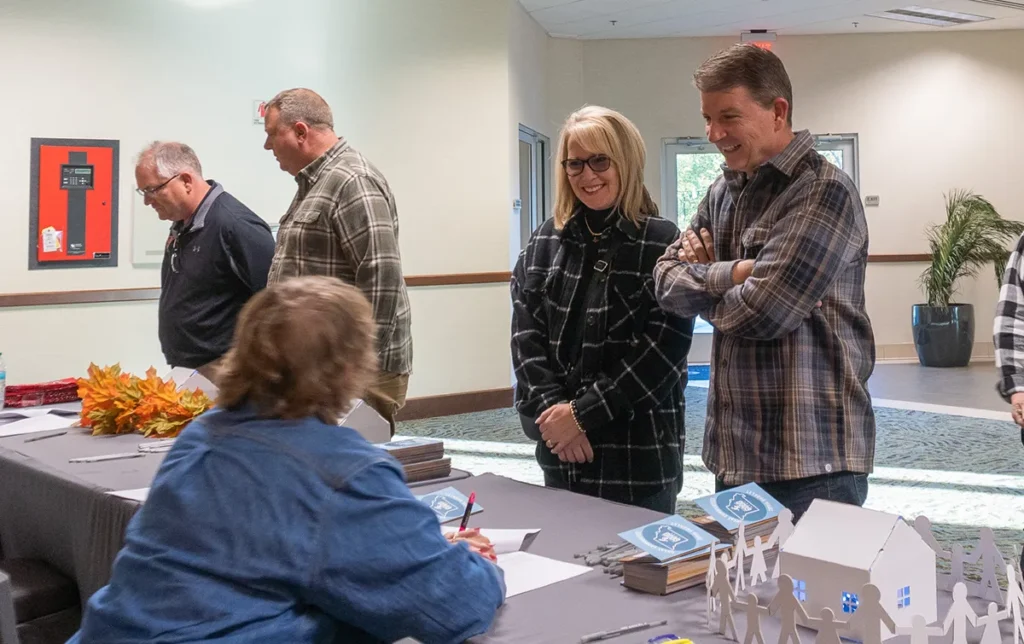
[448, 504]
[747, 503]
[669, 538]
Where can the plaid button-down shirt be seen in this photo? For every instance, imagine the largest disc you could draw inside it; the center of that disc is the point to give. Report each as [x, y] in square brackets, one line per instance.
[629, 376]
[343, 223]
[788, 396]
[1008, 331]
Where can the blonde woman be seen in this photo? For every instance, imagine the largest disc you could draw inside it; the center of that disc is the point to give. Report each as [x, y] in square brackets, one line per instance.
[600, 368]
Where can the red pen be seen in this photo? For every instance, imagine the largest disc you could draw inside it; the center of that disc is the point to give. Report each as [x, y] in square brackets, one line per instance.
[469, 510]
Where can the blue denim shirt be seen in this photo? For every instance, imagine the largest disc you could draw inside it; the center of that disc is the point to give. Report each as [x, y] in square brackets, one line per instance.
[294, 531]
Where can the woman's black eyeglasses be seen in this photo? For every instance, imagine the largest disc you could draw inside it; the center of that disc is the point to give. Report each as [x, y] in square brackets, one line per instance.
[597, 163]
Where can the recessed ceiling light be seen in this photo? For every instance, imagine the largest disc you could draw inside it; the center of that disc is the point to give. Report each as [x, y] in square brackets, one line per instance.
[928, 16]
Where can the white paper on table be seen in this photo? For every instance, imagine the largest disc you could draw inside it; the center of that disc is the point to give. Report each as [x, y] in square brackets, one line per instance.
[503, 540]
[138, 494]
[525, 572]
[34, 424]
[33, 412]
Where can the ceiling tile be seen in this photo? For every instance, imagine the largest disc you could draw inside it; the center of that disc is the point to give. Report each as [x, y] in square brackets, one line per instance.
[591, 19]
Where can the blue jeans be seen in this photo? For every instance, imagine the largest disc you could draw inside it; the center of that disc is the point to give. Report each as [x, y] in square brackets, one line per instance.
[797, 494]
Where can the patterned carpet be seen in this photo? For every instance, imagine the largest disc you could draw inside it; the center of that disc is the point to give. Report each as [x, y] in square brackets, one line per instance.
[963, 473]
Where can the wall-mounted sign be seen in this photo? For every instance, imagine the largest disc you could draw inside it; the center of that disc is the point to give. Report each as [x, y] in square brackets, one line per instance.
[73, 208]
[259, 112]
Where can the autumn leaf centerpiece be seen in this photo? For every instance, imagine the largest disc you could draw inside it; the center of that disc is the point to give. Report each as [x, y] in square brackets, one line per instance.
[116, 402]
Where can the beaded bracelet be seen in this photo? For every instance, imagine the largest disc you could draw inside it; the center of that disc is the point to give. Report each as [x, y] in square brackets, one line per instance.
[576, 417]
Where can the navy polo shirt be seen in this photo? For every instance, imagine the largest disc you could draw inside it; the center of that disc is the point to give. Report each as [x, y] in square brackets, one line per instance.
[213, 264]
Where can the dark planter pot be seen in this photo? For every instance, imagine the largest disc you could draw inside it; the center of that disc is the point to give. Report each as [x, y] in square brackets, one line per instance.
[944, 335]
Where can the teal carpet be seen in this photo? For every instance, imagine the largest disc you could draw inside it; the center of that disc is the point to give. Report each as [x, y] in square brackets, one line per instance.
[963, 473]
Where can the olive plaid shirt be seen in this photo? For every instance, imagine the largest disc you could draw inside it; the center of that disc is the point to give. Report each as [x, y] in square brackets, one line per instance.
[343, 223]
[629, 376]
[788, 396]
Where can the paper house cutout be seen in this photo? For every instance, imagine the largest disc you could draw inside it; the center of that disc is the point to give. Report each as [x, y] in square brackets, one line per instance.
[365, 420]
[836, 549]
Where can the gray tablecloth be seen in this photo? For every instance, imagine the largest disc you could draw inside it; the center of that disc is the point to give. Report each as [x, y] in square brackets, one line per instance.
[61, 512]
[564, 612]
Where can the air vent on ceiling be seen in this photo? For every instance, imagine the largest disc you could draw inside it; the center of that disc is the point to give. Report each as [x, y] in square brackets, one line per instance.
[928, 16]
[1008, 4]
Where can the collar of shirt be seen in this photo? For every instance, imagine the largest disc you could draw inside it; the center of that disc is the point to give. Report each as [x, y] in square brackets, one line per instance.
[575, 227]
[785, 161]
[309, 175]
[198, 218]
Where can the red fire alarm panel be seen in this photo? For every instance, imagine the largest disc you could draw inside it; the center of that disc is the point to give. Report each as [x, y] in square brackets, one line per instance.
[74, 203]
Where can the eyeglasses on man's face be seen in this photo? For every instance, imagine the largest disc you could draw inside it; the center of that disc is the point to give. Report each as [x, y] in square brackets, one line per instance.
[597, 163]
[149, 192]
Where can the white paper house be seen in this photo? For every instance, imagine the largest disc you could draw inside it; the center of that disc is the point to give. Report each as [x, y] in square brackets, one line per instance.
[837, 548]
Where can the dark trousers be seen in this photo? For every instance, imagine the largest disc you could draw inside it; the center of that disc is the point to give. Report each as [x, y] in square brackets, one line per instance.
[663, 501]
[797, 494]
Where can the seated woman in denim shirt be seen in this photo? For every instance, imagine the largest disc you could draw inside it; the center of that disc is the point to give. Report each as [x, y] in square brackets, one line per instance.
[268, 522]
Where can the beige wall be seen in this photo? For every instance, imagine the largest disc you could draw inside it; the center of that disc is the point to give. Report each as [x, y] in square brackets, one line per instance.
[934, 112]
[421, 88]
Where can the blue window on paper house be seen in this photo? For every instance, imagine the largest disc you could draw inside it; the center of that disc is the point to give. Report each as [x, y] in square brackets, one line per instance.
[903, 597]
[800, 589]
[850, 603]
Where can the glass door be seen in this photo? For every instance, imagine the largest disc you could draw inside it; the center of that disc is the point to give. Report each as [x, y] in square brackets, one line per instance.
[534, 173]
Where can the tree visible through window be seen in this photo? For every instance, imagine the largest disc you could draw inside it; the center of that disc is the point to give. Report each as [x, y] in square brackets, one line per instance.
[694, 175]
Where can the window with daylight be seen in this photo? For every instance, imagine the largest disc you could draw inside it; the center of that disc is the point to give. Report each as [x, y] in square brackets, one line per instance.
[903, 597]
[691, 165]
[850, 603]
[800, 589]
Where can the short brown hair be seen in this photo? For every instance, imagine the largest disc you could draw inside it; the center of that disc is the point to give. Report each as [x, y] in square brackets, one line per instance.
[758, 70]
[305, 105]
[303, 347]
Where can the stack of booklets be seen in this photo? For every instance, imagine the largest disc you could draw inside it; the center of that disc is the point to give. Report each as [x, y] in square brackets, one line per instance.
[422, 458]
[676, 554]
[749, 504]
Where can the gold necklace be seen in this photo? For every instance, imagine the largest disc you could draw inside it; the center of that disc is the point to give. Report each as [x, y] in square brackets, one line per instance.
[596, 236]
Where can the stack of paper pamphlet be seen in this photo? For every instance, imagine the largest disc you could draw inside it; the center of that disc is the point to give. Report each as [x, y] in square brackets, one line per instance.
[749, 504]
[422, 458]
[675, 556]
[449, 504]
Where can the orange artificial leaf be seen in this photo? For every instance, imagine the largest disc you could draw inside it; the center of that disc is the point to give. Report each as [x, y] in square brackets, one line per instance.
[118, 403]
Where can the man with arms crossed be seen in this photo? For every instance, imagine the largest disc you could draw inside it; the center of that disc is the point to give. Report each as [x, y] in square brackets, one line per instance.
[775, 260]
[342, 223]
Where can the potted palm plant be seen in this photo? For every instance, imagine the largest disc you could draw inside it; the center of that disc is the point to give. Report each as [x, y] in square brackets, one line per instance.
[973, 235]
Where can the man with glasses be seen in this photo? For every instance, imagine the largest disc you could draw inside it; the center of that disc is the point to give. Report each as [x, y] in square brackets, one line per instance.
[342, 223]
[217, 256]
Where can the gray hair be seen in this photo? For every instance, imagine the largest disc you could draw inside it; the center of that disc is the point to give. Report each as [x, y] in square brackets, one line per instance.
[170, 158]
[305, 105]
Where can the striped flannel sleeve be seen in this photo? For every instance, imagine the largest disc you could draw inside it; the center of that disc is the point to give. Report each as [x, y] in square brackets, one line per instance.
[807, 250]
[645, 376]
[537, 388]
[689, 290]
[365, 228]
[1008, 331]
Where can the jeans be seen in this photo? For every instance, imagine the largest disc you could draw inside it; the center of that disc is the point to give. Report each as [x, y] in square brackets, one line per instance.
[663, 501]
[797, 494]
